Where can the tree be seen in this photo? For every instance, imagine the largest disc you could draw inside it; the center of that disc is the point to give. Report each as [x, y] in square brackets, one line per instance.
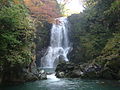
[43, 10]
[16, 38]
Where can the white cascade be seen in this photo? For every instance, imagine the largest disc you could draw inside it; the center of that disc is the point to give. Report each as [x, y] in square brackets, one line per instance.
[59, 43]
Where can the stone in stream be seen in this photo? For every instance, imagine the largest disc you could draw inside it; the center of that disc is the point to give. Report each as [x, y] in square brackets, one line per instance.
[68, 69]
[36, 75]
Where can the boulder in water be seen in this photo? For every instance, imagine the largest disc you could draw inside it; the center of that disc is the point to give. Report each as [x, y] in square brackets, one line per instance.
[42, 74]
[68, 69]
[60, 74]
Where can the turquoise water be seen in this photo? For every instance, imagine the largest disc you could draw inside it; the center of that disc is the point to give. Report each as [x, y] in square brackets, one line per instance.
[54, 83]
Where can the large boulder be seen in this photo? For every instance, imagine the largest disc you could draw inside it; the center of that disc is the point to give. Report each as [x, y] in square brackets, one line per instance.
[60, 74]
[36, 75]
[42, 75]
[22, 76]
[68, 69]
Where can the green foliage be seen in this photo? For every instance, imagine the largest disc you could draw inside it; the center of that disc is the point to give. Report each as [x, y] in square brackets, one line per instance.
[16, 36]
[113, 45]
[62, 9]
[96, 30]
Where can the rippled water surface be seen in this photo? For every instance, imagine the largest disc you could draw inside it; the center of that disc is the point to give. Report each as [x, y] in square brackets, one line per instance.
[53, 83]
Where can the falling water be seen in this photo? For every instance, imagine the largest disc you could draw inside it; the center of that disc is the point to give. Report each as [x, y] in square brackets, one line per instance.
[59, 44]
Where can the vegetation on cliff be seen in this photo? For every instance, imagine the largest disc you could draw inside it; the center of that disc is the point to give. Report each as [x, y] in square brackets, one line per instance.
[16, 39]
[24, 33]
[95, 34]
[95, 31]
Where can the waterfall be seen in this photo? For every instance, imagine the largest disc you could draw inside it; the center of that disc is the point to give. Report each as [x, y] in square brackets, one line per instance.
[59, 44]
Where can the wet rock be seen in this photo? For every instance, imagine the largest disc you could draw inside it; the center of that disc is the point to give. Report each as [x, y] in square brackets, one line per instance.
[68, 69]
[105, 68]
[118, 75]
[76, 73]
[106, 73]
[90, 71]
[60, 74]
[36, 75]
[24, 76]
[30, 77]
[42, 75]
[0, 80]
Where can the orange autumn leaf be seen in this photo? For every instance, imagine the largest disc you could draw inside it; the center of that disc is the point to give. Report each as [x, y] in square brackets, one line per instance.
[44, 9]
[16, 1]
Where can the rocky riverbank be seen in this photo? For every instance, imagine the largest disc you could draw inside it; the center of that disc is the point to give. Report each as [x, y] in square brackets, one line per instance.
[92, 70]
[24, 76]
[18, 75]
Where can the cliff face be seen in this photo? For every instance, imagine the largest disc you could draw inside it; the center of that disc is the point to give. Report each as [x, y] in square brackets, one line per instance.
[17, 46]
[95, 36]
[45, 9]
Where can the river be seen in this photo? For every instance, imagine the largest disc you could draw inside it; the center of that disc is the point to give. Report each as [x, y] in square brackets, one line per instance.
[53, 83]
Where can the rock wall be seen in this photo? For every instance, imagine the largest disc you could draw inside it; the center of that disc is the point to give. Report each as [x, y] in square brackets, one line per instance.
[95, 35]
[42, 40]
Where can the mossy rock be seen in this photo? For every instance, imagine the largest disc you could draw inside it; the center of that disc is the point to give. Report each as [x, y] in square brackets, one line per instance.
[106, 74]
[114, 63]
